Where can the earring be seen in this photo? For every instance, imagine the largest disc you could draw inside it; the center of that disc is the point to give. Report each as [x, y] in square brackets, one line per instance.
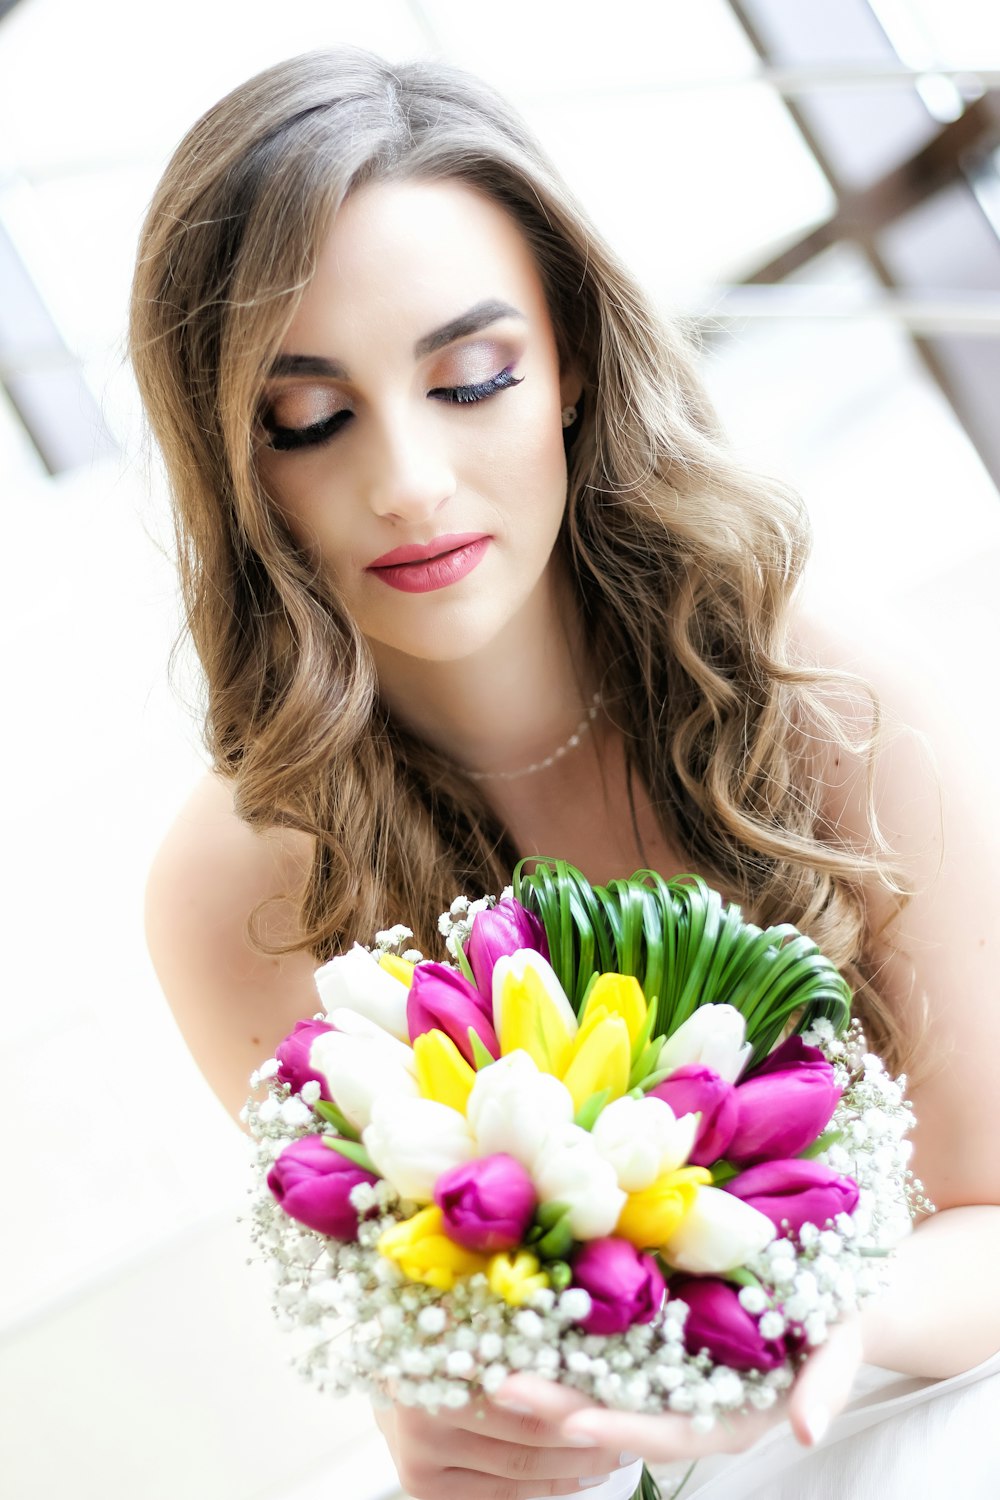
[569, 415]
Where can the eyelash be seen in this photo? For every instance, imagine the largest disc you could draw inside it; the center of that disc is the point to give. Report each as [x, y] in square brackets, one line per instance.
[283, 439]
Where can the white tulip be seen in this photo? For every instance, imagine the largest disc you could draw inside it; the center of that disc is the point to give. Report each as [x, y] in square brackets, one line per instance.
[569, 1169]
[359, 1067]
[717, 1234]
[715, 1036]
[359, 982]
[518, 964]
[513, 1105]
[412, 1141]
[642, 1139]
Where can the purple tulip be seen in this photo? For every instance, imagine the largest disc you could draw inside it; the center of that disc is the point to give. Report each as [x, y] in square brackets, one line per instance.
[487, 1204]
[313, 1184]
[293, 1055]
[718, 1322]
[695, 1087]
[625, 1286]
[501, 931]
[441, 999]
[784, 1105]
[795, 1192]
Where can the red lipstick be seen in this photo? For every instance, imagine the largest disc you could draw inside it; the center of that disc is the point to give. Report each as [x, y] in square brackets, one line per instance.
[419, 569]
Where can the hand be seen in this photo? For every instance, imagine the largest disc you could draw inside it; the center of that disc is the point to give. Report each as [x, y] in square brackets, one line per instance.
[484, 1451]
[821, 1389]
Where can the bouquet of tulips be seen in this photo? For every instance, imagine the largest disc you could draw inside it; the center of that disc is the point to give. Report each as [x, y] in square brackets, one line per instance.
[623, 1139]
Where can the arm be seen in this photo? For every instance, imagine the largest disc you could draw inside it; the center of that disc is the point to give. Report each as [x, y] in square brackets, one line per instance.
[232, 1003]
[941, 1312]
[233, 1006]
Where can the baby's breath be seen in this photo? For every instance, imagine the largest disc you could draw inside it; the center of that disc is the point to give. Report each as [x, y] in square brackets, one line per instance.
[361, 1326]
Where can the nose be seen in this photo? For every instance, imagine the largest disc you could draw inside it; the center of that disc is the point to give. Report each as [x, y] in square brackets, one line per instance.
[411, 474]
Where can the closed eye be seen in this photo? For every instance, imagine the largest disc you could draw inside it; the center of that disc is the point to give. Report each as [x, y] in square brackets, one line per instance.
[286, 438]
[461, 394]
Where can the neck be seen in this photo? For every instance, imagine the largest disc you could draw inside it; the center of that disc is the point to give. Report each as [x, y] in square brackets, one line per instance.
[504, 706]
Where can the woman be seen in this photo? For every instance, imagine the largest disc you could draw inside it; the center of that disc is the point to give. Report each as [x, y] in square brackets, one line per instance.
[472, 576]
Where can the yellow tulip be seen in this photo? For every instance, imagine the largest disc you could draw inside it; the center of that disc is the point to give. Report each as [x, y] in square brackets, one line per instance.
[516, 1276]
[618, 994]
[601, 1058]
[442, 1072]
[424, 1252]
[531, 1021]
[650, 1217]
[399, 968]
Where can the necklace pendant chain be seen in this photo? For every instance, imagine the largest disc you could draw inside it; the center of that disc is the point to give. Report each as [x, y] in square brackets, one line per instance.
[581, 729]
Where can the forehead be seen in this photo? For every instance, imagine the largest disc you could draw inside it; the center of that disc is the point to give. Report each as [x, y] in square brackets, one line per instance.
[403, 257]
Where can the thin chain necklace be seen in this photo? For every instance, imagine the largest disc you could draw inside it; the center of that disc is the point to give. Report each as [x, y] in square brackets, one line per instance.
[550, 760]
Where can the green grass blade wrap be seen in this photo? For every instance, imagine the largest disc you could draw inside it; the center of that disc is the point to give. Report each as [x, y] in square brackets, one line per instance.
[685, 946]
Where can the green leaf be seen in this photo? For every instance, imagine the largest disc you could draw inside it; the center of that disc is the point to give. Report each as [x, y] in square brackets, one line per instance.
[828, 1138]
[548, 1214]
[642, 1041]
[724, 1171]
[355, 1153]
[557, 1243]
[587, 1114]
[559, 1275]
[648, 1488]
[331, 1114]
[645, 1064]
[482, 1057]
[463, 963]
[687, 947]
[741, 1277]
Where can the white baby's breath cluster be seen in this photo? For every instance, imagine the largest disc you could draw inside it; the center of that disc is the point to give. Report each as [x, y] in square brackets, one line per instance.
[363, 1326]
[397, 941]
[455, 925]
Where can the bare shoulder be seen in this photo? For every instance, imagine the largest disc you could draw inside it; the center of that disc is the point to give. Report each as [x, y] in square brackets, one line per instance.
[938, 809]
[232, 1002]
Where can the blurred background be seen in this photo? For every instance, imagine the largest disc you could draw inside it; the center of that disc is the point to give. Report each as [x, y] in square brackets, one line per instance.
[815, 182]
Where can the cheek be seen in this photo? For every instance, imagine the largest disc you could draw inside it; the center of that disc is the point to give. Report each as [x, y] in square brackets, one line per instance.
[525, 466]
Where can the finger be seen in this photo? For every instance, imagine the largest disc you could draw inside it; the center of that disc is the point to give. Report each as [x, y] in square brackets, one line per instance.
[467, 1484]
[531, 1395]
[823, 1386]
[517, 1462]
[664, 1437]
[512, 1424]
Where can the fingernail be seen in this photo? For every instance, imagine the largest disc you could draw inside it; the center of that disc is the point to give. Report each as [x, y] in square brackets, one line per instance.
[626, 1458]
[592, 1480]
[816, 1422]
[578, 1437]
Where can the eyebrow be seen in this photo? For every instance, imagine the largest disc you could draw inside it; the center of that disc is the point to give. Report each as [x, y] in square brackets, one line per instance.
[473, 321]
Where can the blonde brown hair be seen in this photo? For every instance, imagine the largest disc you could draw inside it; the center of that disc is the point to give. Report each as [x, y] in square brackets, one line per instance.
[684, 563]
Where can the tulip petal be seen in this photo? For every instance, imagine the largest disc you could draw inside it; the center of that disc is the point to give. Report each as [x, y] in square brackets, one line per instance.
[532, 1021]
[714, 1236]
[619, 994]
[497, 933]
[651, 1216]
[600, 1059]
[516, 1277]
[424, 1253]
[357, 981]
[519, 965]
[714, 1035]
[442, 1072]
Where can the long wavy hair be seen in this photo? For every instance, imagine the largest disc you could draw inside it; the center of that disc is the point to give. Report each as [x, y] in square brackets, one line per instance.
[684, 564]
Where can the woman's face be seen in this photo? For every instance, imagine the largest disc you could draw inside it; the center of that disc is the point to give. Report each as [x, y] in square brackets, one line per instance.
[412, 433]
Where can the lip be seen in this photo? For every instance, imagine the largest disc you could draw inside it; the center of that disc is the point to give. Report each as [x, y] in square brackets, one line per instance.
[415, 552]
[420, 569]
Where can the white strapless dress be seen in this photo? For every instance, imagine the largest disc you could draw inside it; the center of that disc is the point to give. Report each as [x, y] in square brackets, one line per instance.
[900, 1438]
